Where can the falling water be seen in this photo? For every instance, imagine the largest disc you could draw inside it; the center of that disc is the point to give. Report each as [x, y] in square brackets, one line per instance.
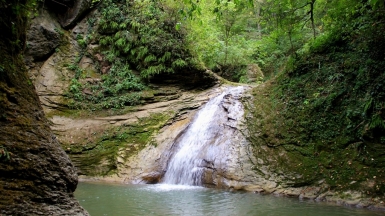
[201, 144]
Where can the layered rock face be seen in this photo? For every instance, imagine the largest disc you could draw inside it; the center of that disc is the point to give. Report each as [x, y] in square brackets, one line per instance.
[36, 176]
[135, 144]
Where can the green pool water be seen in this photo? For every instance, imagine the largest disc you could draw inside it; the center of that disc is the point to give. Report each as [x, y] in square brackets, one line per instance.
[122, 200]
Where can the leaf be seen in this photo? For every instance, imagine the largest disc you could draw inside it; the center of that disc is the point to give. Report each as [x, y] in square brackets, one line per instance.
[177, 26]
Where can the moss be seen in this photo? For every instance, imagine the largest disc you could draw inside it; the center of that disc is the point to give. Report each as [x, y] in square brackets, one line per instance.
[313, 122]
[100, 157]
[81, 113]
[90, 73]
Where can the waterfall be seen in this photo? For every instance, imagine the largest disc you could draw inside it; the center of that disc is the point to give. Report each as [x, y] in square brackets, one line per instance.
[199, 149]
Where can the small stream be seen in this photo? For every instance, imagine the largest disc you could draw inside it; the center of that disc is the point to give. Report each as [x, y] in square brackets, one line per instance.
[101, 199]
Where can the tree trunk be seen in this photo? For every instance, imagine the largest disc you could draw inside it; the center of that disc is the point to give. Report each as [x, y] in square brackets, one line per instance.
[312, 17]
[36, 176]
[258, 14]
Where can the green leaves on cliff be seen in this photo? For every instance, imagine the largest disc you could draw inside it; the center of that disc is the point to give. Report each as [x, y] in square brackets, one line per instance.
[329, 102]
[117, 89]
[137, 40]
[143, 34]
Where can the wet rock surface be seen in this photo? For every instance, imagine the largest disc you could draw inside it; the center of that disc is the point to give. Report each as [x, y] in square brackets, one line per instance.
[75, 132]
[208, 151]
[36, 176]
[231, 167]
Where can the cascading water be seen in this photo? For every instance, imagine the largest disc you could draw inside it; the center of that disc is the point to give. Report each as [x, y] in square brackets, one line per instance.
[203, 143]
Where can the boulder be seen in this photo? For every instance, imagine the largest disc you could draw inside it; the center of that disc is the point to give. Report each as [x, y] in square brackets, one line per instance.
[74, 13]
[43, 36]
[254, 73]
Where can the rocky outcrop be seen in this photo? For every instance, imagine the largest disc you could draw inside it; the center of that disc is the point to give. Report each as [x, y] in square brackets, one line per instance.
[233, 168]
[69, 11]
[176, 105]
[52, 76]
[36, 176]
[74, 13]
[254, 73]
[43, 37]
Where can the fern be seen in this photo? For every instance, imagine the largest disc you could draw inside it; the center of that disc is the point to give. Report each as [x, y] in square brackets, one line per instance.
[149, 59]
[121, 42]
[114, 25]
[152, 70]
[138, 33]
[179, 63]
[142, 52]
[165, 57]
[368, 105]
[127, 48]
[135, 25]
[123, 25]
[377, 122]
[169, 70]
[133, 52]
[103, 24]
[143, 40]
[117, 35]
[103, 41]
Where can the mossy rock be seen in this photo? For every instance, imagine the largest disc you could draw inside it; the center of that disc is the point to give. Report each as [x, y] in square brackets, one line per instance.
[115, 145]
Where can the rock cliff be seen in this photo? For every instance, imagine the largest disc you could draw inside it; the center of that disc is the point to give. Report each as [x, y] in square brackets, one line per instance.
[133, 144]
[36, 176]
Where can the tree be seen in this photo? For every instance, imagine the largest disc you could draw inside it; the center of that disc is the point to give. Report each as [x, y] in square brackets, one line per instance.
[258, 5]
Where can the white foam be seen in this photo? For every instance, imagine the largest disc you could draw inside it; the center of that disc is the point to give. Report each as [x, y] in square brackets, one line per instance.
[171, 187]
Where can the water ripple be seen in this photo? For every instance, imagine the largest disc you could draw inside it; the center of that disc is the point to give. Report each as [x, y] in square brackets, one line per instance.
[163, 199]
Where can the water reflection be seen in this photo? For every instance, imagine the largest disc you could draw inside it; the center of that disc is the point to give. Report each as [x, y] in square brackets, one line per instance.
[124, 200]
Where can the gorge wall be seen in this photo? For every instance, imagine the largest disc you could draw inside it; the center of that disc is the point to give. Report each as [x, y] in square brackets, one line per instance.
[133, 144]
[36, 176]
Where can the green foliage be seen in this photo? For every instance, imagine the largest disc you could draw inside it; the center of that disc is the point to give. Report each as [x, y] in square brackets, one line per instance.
[329, 104]
[75, 90]
[4, 154]
[117, 89]
[60, 31]
[78, 71]
[95, 2]
[138, 40]
[82, 41]
[224, 39]
[13, 33]
[271, 53]
[143, 34]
